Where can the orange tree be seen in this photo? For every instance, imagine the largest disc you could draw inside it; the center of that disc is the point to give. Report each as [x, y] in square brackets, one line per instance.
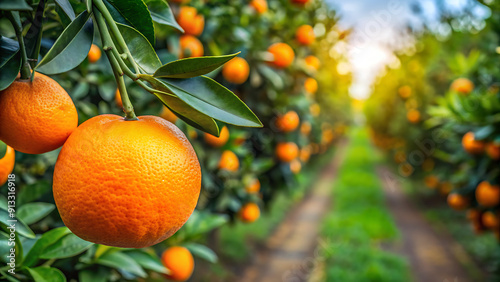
[143, 42]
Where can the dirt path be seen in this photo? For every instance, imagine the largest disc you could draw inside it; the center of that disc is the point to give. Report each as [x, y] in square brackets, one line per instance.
[288, 253]
[432, 256]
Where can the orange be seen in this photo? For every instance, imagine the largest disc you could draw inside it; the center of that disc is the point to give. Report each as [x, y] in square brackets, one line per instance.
[218, 141]
[260, 6]
[311, 85]
[94, 53]
[287, 152]
[493, 151]
[253, 187]
[236, 71]
[305, 35]
[487, 195]
[287, 122]
[471, 145]
[167, 114]
[179, 261]
[457, 202]
[7, 164]
[295, 166]
[445, 188]
[431, 181]
[229, 161]
[249, 213]
[305, 154]
[135, 182]
[190, 21]
[315, 110]
[312, 62]
[404, 91]
[36, 117]
[413, 116]
[283, 55]
[490, 220]
[190, 46]
[305, 128]
[462, 85]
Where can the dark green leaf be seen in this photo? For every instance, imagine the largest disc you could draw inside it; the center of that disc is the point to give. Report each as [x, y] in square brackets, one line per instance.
[8, 49]
[191, 67]
[120, 260]
[66, 7]
[209, 97]
[15, 5]
[33, 212]
[484, 132]
[70, 245]
[3, 151]
[202, 251]
[71, 48]
[140, 48]
[94, 274]
[147, 261]
[133, 13]
[46, 274]
[47, 239]
[32, 192]
[9, 71]
[33, 38]
[21, 227]
[161, 13]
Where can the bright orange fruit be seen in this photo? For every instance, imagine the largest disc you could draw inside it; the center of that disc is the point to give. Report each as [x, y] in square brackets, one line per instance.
[471, 145]
[253, 187]
[179, 261]
[190, 46]
[283, 55]
[260, 6]
[311, 85]
[287, 151]
[312, 62]
[457, 202]
[94, 53]
[462, 85]
[249, 213]
[305, 35]
[287, 122]
[493, 151]
[191, 21]
[229, 161]
[404, 91]
[167, 114]
[413, 116]
[7, 164]
[236, 71]
[488, 195]
[218, 141]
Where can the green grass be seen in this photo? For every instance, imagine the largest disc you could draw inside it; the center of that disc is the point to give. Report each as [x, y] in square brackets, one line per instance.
[359, 222]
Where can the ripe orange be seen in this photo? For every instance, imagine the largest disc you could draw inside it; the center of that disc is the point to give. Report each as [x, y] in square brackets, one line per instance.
[253, 187]
[315, 110]
[457, 202]
[462, 85]
[236, 71]
[311, 85]
[295, 166]
[312, 62]
[305, 128]
[283, 55]
[260, 6]
[431, 181]
[7, 164]
[118, 99]
[305, 35]
[167, 114]
[493, 151]
[190, 21]
[229, 161]
[490, 220]
[471, 145]
[287, 152]
[36, 117]
[190, 46]
[488, 195]
[135, 182]
[249, 213]
[179, 261]
[305, 154]
[218, 141]
[404, 91]
[413, 116]
[94, 53]
[287, 122]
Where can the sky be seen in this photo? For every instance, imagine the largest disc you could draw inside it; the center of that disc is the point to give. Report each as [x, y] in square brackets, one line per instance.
[376, 25]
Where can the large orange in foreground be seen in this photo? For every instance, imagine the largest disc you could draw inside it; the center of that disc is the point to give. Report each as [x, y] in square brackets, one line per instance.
[36, 117]
[127, 184]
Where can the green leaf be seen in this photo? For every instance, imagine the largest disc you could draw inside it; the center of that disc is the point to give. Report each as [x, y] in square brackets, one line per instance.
[70, 245]
[209, 97]
[133, 13]
[47, 239]
[8, 49]
[46, 274]
[32, 192]
[15, 5]
[191, 67]
[71, 48]
[200, 222]
[67, 8]
[33, 212]
[33, 38]
[202, 251]
[147, 261]
[140, 48]
[3, 151]
[94, 274]
[162, 14]
[120, 260]
[21, 227]
[9, 71]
